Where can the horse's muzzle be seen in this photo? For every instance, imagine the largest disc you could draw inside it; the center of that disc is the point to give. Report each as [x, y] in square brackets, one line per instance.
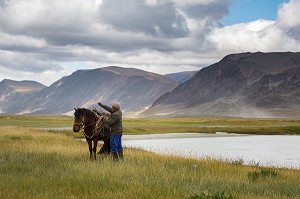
[76, 128]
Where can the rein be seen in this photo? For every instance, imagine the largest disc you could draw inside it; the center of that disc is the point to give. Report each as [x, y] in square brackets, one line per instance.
[97, 126]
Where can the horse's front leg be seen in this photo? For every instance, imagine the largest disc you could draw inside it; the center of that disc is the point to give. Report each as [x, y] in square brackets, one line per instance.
[95, 146]
[90, 147]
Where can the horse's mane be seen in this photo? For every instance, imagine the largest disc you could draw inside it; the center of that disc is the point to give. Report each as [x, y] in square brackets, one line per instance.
[89, 113]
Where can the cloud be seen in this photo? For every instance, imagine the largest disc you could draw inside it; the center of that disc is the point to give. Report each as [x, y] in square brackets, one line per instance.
[20, 42]
[164, 36]
[241, 37]
[159, 20]
[212, 12]
[3, 3]
[261, 35]
[26, 62]
[41, 17]
[289, 18]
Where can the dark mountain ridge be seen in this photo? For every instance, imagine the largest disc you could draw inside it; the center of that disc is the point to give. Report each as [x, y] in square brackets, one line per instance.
[249, 80]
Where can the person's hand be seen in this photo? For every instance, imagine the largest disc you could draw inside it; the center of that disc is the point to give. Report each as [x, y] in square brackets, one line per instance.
[107, 114]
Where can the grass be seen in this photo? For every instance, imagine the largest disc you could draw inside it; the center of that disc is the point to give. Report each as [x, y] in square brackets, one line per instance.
[212, 125]
[169, 125]
[36, 121]
[37, 163]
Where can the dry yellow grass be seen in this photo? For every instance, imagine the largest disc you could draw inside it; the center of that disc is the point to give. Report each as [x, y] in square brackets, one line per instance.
[42, 164]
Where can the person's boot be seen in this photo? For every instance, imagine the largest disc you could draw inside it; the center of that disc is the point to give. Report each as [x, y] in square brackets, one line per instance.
[115, 156]
[121, 156]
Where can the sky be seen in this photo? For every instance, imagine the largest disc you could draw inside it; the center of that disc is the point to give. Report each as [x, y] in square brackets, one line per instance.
[45, 40]
[241, 11]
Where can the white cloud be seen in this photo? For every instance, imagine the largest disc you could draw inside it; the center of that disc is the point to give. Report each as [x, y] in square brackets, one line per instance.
[17, 61]
[20, 42]
[36, 16]
[45, 40]
[260, 35]
[193, 2]
[289, 18]
[241, 37]
[289, 14]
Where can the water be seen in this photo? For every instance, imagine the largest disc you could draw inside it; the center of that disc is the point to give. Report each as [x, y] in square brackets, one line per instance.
[264, 150]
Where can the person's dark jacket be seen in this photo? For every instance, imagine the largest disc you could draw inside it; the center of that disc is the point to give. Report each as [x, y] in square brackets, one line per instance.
[114, 121]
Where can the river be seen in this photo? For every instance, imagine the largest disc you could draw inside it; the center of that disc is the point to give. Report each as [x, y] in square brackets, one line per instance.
[262, 150]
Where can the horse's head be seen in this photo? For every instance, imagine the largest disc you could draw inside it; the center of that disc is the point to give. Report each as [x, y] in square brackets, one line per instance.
[78, 119]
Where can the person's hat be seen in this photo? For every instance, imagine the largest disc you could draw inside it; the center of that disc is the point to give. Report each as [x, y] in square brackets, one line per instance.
[116, 105]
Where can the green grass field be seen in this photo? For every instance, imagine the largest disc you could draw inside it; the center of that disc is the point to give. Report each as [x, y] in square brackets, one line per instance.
[212, 125]
[36, 163]
[168, 125]
[36, 121]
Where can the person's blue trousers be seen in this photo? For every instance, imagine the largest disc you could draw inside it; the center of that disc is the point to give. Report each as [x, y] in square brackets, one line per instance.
[116, 143]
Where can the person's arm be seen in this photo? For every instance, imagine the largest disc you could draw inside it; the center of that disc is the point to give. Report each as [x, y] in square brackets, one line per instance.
[113, 119]
[101, 113]
[109, 109]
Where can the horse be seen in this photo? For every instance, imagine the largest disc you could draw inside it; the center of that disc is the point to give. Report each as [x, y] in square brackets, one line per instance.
[93, 130]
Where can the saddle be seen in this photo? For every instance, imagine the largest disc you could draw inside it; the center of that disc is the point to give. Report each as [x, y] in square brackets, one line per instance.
[101, 128]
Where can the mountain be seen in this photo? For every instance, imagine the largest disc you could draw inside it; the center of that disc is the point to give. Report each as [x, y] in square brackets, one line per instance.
[246, 84]
[11, 90]
[181, 77]
[134, 89]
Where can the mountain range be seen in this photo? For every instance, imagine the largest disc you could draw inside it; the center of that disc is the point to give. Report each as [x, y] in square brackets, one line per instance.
[134, 89]
[246, 84]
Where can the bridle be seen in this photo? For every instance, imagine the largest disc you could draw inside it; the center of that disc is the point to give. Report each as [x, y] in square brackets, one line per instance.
[97, 126]
[81, 123]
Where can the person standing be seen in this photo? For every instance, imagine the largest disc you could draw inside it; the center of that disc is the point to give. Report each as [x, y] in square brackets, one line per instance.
[116, 129]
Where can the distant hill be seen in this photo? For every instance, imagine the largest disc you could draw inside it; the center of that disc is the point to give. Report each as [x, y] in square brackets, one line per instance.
[181, 77]
[134, 89]
[23, 86]
[11, 90]
[246, 84]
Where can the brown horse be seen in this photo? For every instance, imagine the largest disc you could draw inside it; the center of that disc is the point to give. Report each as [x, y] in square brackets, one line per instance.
[93, 130]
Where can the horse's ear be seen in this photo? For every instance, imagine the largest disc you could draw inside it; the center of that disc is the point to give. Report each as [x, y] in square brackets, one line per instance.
[75, 109]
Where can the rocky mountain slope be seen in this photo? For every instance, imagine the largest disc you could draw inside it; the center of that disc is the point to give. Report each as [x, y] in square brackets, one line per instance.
[13, 90]
[247, 84]
[181, 77]
[134, 89]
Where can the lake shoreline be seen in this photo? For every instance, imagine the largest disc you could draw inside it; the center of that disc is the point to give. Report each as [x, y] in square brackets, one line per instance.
[180, 135]
[262, 150]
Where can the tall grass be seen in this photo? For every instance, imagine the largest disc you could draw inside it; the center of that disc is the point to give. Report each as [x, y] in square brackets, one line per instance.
[42, 164]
